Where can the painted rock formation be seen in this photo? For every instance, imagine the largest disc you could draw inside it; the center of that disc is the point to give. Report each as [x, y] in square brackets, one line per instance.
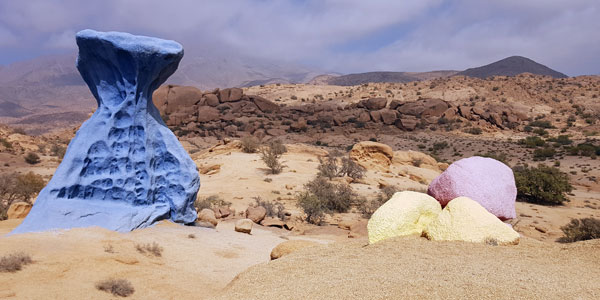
[485, 180]
[464, 219]
[406, 213]
[124, 169]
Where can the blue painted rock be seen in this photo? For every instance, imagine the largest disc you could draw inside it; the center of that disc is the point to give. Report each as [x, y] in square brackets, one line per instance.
[485, 180]
[124, 169]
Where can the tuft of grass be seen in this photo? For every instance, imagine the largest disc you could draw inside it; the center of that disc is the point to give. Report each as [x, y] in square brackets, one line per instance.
[151, 249]
[117, 287]
[191, 236]
[14, 262]
[491, 241]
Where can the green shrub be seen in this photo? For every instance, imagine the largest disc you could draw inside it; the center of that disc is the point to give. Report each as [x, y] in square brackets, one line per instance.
[543, 153]
[336, 166]
[532, 142]
[542, 185]
[580, 230]
[541, 124]
[271, 154]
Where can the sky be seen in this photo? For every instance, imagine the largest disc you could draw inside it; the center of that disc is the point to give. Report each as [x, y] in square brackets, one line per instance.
[345, 36]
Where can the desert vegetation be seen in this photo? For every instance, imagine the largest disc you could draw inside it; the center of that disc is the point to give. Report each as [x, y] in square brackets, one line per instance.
[117, 287]
[580, 230]
[542, 185]
[14, 262]
[152, 249]
[320, 197]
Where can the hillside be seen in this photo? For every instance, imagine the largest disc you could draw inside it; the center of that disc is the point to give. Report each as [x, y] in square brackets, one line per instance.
[511, 66]
[374, 77]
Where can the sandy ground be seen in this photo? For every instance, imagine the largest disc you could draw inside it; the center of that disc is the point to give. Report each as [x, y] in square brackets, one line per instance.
[67, 264]
[415, 268]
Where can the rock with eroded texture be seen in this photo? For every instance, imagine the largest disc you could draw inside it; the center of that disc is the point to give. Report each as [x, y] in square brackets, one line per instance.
[485, 180]
[18, 210]
[372, 155]
[244, 226]
[406, 213]
[466, 220]
[124, 169]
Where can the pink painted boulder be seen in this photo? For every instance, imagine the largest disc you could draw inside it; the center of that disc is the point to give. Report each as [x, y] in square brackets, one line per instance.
[485, 180]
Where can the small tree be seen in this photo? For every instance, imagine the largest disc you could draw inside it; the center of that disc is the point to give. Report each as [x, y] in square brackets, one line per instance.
[32, 158]
[542, 185]
[322, 197]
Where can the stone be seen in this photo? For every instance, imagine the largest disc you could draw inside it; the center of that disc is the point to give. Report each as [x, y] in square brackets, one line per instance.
[208, 114]
[256, 214]
[374, 103]
[394, 104]
[413, 158]
[463, 219]
[485, 180]
[181, 98]
[124, 169]
[407, 123]
[372, 155]
[265, 105]
[388, 116]
[364, 117]
[406, 213]
[211, 100]
[289, 247]
[358, 229]
[208, 215]
[375, 116]
[18, 210]
[244, 226]
[225, 212]
[424, 108]
[272, 222]
[230, 95]
[299, 125]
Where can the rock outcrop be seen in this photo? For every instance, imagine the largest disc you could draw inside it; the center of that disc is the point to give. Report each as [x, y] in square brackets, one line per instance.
[18, 210]
[464, 219]
[124, 169]
[244, 226]
[372, 155]
[406, 213]
[485, 180]
[291, 246]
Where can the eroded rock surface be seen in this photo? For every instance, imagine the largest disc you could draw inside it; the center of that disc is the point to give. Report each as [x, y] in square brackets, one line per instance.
[124, 169]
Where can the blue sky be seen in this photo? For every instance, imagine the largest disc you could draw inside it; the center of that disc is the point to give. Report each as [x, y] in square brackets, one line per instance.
[337, 35]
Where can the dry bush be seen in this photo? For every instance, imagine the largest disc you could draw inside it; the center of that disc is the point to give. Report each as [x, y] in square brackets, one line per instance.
[336, 166]
[18, 187]
[274, 209]
[322, 197]
[250, 144]
[152, 249]
[14, 262]
[191, 236]
[580, 230]
[117, 287]
[210, 202]
[271, 155]
[32, 158]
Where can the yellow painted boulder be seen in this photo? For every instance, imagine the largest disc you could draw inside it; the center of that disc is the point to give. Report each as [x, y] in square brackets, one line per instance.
[463, 219]
[406, 213]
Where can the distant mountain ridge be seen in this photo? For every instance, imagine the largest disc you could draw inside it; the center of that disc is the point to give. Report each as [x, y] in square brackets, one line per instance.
[511, 66]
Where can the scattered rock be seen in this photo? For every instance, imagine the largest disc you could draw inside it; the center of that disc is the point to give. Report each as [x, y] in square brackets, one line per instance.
[18, 210]
[415, 158]
[265, 105]
[244, 226]
[207, 114]
[358, 229]
[406, 213]
[211, 169]
[463, 219]
[291, 246]
[225, 212]
[211, 100]
[374, 103]
[256, 214]
[272, 222]
[207, 215]
[485, 180]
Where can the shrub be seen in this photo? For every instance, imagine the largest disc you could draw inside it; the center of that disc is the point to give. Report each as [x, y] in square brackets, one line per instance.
[543, 153]
[19, 187]
[367, 208]
[580, 230]
[14, 262]
[321, 197]
[351, 169]
[271, 155]
[117, 287]
[474, 130]
[532, 142]
[499, 156]
[541, 124]
[328, 167]
[32, 158]
[542, 185]
[5, 143]
[211, 202]
[152, 249]
[250, 144]
[440, 146]
[333, 166]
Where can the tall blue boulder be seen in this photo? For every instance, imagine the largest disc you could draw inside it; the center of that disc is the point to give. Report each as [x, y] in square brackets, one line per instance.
[124, 169]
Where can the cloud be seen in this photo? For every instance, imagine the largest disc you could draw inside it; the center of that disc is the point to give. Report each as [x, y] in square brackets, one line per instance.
[340, 35]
